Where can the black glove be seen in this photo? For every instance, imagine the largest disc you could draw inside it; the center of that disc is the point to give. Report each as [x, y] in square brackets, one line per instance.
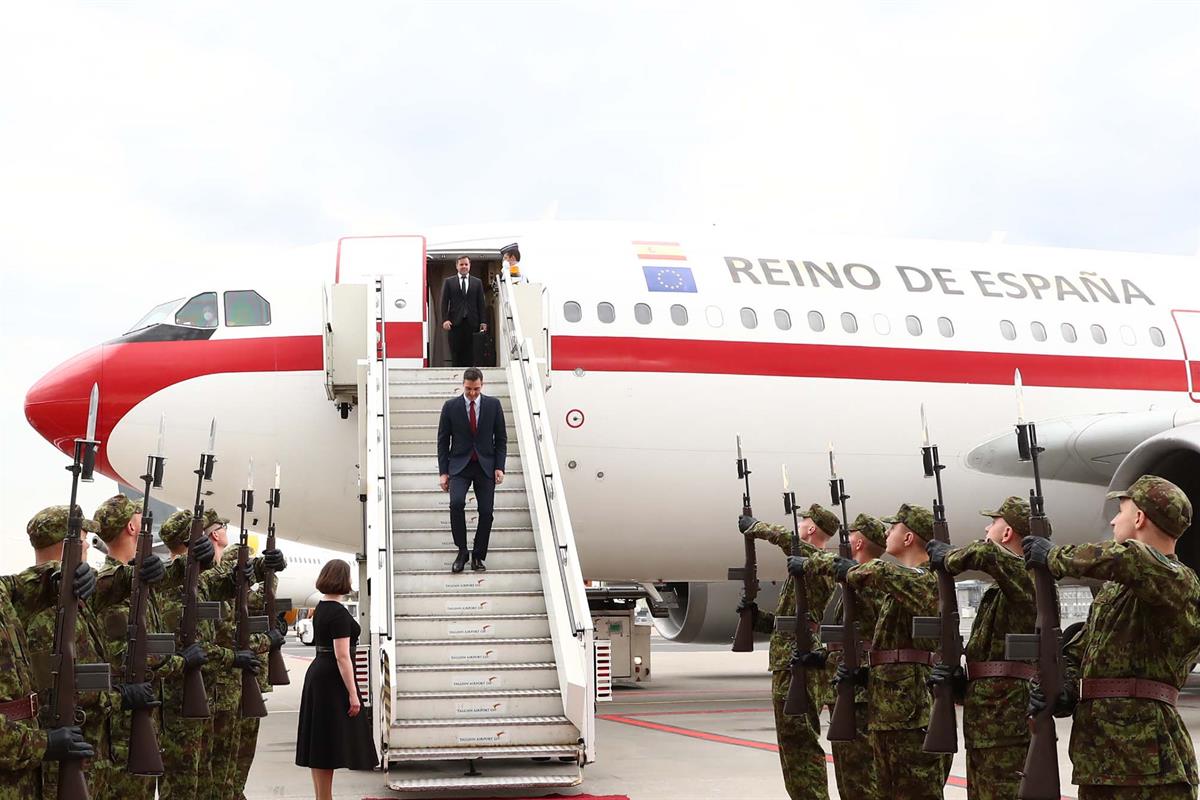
[277, 638]
[796, 566]
[67, 743]
[273, 559]
[1064, 704]
[204, 552]
[858, 677]
[152, 570]
[193, 656]
[244, 659]
[248, 572]
[814, 659]
[743, 605]
[1037, 551]
[136, 695]
[948, 673]
[746, 522]
[84, 583]
[843, 566]
[937, 553]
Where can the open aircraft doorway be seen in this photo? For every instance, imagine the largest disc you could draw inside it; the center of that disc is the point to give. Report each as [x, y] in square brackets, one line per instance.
[440, 265]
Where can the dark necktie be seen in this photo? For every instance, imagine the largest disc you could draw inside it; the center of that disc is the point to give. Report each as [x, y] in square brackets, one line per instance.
[474, 430]
[464, 285]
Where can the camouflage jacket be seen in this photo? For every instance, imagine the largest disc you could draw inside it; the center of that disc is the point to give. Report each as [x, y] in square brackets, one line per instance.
[22, 744]
[111, 604]
[994, 708]
[866, 609]
[35, 598]
[896, 693]
[258, 607]
[170, 607]
[818, 591]
[221, 679]
[1144, 623]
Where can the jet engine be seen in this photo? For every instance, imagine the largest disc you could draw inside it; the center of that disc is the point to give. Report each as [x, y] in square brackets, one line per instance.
[705, 612]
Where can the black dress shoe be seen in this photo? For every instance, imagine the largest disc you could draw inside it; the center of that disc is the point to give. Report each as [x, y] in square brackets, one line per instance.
[459, 563]
[477, 565]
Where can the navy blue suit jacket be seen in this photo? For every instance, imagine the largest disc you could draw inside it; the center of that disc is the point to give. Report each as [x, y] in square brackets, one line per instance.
[455, 442]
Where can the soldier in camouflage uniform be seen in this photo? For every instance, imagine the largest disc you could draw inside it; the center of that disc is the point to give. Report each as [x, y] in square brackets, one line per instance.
[248, 726]
[854, 761]
[36, 597]
[120, 522]
[898, 698]
[185, 741]
[23, 746]
[995, 692]
[1142, 638]
[800, 753]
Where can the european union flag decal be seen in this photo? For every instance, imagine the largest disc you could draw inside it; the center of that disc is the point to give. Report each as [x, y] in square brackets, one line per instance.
[669, 279]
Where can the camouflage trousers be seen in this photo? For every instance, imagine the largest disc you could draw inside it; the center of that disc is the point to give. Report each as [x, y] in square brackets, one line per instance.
[800, 753]
[1174, 791]
[184, 743]
[994, 773]
[20, 784]
[222, 757]
[904, 769]
[247, 743]
[854, 762]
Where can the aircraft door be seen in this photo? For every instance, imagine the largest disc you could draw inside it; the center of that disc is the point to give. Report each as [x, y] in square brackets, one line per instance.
[399, 262]
[1188, 324]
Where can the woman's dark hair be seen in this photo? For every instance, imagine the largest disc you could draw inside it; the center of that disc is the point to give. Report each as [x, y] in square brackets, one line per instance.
[334, 578]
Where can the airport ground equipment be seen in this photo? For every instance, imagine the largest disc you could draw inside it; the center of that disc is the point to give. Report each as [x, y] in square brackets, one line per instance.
[477, 680]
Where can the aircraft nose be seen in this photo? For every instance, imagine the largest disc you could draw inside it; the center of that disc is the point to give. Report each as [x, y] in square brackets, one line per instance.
[57, 405]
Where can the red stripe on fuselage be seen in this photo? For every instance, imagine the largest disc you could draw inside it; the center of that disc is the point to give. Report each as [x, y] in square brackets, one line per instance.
[634, 354]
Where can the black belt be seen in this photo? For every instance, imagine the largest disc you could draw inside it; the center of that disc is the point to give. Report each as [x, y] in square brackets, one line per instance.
[324, 651]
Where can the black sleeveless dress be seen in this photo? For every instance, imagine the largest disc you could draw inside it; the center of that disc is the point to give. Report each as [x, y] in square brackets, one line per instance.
[326, 738]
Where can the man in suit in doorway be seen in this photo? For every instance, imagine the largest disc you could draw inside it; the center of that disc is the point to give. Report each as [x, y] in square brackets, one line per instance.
[472, 444]
[462, 311]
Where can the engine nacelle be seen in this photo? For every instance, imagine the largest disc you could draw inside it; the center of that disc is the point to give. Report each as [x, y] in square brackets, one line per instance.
[706, 612]
[1175, 455]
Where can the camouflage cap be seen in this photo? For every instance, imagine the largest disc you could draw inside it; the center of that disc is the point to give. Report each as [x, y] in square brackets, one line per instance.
[211, 517]
[918, 519]
[1014, 511]
[49, 526]
[174, 532]
[114, 514]
[872, 528]
[824, 519]
[1162, 501]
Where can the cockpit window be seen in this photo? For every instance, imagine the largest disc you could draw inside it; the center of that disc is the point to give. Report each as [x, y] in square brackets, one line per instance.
[156, 316]
[199, 312]
[245, 308]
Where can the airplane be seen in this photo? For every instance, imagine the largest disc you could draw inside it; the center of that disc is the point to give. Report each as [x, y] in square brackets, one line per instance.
[665, 344]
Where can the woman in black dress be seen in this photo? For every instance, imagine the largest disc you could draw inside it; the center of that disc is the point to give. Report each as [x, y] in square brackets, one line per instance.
[331, 732]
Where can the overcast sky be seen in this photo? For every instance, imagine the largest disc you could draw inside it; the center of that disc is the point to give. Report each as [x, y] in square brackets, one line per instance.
[145, 144]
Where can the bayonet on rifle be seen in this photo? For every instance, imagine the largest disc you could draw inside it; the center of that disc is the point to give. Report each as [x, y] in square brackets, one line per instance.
[743, 638]
[843, 724]
[796, 704]
[277, 674]
[251, 704]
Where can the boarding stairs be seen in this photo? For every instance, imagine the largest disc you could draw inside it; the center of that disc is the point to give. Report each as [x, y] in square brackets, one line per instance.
[486, 679]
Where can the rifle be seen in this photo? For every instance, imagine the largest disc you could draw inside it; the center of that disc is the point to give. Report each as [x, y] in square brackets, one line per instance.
[942, 735]
[796, 703]
[1039, 778]
[69, 677]
[843, 724]
[743, 638]
[251, 704]
[195, 699]
[277, 674]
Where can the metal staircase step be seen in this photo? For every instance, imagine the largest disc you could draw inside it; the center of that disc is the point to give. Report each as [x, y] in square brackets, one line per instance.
[473, 651]
[458, 782]
[440, 518]
[459, 753]
[410, 413]
[465, 677]
[492, 626]
[468, 581]
[465, 604]
[427, 480]
[440, 559]
[500, 731]
[419, 462]
[442, 539]
[434, 497]
[478, 704]
[443, 389]
[426, 445]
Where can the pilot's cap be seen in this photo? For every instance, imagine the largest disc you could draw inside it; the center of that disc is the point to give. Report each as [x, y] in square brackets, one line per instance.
[114, 514]
[511, 250]
[823, 518]
[1163, 502]
[49, 526]
[918, 519]
[870, 527]
[1014, 511]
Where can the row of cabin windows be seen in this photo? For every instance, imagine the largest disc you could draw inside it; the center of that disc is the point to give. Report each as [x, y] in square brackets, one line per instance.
[607, 313]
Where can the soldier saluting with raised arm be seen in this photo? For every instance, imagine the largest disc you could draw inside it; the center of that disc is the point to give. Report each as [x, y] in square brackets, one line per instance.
[1140, 642]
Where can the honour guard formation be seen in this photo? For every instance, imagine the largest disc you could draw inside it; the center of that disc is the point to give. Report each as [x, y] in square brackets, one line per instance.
[147, 677]
[890, 665]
